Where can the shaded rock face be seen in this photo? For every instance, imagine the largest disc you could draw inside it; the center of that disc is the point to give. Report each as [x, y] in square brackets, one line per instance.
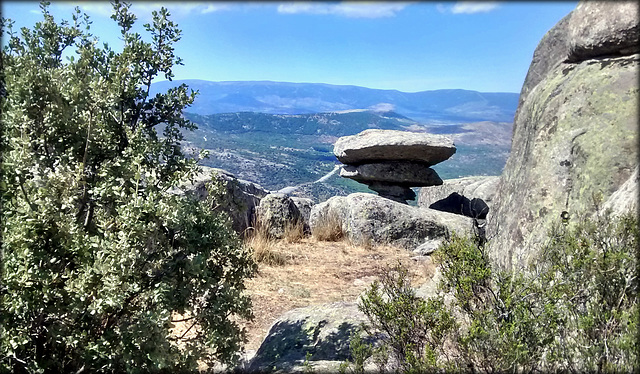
[575, 131]
[458, 204]
[238, 198]
[304, 206]
[321, 330]
[401, 173]
[276, 211]
[370, 219]
[390, 162]
[480, 187]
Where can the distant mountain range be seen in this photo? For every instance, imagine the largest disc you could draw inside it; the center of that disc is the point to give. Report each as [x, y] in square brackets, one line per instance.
[282, 134]
[453, 105]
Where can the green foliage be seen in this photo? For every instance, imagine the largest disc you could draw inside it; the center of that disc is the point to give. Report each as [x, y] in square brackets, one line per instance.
[576, 310]
[591, 270]
[100, 259]
[414, 329]
[307, 365]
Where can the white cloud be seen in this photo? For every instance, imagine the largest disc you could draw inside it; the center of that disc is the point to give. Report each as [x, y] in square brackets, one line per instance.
[143, 9]
[471, 7]
[355, 9]
[215, 8]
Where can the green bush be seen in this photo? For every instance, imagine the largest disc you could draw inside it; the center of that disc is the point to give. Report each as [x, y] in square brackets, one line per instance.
[591, 270]
[413, 329]
[99, 255]
[574, 310]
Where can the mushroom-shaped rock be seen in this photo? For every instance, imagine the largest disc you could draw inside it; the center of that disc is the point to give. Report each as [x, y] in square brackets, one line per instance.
[393, 145]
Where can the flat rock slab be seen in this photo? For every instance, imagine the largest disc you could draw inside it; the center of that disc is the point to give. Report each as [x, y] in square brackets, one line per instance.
[321, 330]
[410, 174]
[393, 145]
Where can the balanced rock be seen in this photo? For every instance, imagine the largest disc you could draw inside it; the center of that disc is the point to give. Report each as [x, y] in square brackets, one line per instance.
[396, 172]
[374, 144]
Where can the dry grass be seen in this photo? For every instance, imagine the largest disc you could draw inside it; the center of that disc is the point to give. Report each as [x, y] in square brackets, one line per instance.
[318, 272]
[294, 232]
[265, 248]
[328, 228]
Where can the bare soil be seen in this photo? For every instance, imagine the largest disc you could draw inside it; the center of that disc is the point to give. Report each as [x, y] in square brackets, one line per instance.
[317, 272]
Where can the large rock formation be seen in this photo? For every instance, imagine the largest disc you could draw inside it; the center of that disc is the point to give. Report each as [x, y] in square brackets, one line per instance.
[576, 129]
[277, 211]
[237, 197]
[390, 162]
[323, 331]
[370, 219]
[384, 145]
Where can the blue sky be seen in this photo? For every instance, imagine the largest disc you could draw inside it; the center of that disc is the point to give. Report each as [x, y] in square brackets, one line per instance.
[410, 47]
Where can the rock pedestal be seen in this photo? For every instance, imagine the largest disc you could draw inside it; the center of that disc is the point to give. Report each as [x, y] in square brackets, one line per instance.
[390, 162]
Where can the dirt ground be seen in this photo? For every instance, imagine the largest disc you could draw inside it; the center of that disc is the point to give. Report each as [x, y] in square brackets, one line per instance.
[318, 272]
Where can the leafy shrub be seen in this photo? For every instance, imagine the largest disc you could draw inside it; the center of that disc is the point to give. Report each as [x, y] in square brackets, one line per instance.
[574, 310]
[414, 329]
[590, 269]
[98, 255]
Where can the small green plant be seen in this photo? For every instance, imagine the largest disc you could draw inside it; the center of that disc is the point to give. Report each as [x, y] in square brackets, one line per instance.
[360, 351]
[307, 365]
[574, 310]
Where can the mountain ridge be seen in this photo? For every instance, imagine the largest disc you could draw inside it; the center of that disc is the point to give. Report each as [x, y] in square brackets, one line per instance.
[456, 105]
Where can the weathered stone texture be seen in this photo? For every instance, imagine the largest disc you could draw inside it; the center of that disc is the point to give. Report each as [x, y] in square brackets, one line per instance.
[370, 219]
[238, 198]
[275, 212]
[575, 136]
[397, 172]
[393, 145]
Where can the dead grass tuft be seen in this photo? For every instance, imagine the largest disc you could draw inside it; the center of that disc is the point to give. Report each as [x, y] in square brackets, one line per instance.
[328, 228]
[263, 247]
[294, 231]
